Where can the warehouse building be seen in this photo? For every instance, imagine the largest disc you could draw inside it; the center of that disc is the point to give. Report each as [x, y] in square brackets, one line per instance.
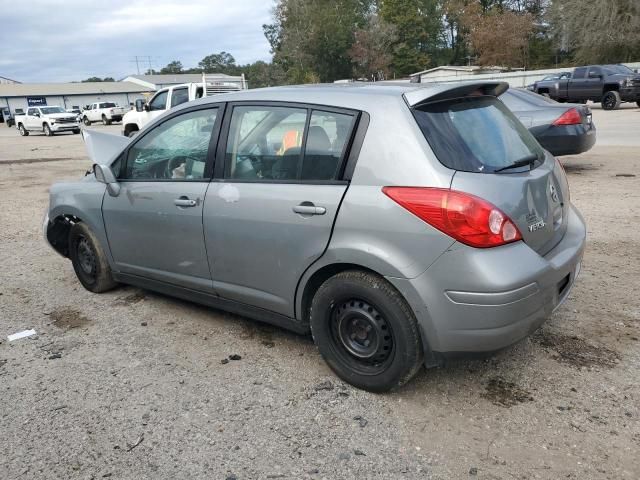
[69, 95]
[156, 82]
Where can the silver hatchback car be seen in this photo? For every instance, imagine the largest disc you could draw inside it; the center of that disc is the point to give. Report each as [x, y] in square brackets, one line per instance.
[395, 223]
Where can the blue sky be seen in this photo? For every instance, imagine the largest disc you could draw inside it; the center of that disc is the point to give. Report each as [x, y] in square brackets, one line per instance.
[59, 41]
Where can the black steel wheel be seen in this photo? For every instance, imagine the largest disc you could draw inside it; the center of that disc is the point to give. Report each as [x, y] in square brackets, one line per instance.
[366, 331]
[611, 100]
[88, 259]
[362, 335]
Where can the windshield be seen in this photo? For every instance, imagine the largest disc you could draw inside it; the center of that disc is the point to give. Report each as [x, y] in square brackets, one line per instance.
[613, 69]
[50, 110]
[475, 134]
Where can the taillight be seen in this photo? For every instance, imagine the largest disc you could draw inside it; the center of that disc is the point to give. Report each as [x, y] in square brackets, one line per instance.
[570, 117]
[467, 218]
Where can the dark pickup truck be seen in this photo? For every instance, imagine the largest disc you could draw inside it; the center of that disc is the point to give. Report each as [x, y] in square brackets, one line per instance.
[609, 84]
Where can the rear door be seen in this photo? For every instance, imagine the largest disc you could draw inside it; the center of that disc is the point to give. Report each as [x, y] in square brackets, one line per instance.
[154, 225]
[269, 213]
[578, 88]
[480, 139]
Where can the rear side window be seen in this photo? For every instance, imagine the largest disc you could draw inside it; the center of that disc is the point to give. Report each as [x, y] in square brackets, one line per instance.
[580, 72]
[178, 96]
[475, 134]
[273, 143]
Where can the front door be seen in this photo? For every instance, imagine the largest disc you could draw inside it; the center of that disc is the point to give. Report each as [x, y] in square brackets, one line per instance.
[154, 225]
[270, 215]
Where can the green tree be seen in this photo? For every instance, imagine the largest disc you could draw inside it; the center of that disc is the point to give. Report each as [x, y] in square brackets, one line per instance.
[371, 49]
[222, 62]
[419, 28]
[98, 79]
[172, 67]
[311, 39]
[598, 31]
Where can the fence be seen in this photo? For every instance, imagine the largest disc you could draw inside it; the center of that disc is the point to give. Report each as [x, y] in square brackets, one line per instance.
[515, 79]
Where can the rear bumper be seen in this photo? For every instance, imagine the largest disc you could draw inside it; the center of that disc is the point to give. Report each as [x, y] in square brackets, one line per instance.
[478, 300]
[567, 139]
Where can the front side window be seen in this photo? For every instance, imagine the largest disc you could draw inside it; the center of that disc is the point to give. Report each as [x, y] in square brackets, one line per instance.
[179, 95]
[475, 134]
[177, 149]
[32, 111]
[276, 144]
[159, 102]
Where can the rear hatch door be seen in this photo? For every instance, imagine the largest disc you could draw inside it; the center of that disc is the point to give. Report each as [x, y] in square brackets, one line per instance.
[496, 158]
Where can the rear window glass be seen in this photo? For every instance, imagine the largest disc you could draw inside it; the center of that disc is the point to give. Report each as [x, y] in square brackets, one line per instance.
[475, 134]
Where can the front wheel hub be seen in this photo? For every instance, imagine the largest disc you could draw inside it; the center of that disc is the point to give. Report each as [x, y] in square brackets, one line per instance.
[362, 331]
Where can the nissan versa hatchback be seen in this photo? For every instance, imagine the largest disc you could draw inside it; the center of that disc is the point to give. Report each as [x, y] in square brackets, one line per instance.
[395, 223]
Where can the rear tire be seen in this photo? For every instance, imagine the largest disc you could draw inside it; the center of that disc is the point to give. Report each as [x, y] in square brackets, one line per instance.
[105, 120]
[638, 103]
[89, 260]
[611, 100]
[366, 331]
[23, 131]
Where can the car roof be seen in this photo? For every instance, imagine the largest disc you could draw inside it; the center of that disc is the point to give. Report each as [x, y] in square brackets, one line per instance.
[356, 95]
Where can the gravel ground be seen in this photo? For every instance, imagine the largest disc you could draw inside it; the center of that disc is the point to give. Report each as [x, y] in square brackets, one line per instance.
[134, 385]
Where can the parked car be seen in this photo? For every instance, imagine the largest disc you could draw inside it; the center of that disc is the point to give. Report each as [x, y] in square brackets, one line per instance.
[105, 112]
[550, 81]
[396, 224]
[175, 95]
[609, 84]
[76, 111]
[49, 120]
[561, 128]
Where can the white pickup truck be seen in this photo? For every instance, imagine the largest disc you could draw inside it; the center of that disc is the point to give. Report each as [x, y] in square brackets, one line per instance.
[48, 120]
[105, 112]
[170, 97]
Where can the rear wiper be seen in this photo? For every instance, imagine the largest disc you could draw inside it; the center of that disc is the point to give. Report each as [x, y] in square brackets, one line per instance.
[523, 162]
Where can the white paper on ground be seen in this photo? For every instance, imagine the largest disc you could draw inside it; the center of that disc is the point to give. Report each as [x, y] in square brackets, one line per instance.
[19, 335]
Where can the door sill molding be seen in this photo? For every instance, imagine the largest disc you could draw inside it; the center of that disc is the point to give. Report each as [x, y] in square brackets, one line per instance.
[210, 300]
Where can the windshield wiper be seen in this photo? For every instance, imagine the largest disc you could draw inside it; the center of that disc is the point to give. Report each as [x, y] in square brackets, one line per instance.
[523, 162]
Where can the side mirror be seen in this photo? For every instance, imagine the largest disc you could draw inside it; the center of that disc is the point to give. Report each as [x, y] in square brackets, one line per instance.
[140, 105]
[36, 114]
[105, 175]
[146, 107]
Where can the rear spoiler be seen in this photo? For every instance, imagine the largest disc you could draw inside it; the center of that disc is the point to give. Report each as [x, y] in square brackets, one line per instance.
[437, 92]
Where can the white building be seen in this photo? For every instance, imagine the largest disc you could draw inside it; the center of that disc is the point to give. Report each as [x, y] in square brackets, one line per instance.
[68, 95]
[156, 82]
[7, 80]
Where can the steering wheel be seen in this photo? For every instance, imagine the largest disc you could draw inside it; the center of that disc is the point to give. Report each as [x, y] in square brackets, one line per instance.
[176, 162]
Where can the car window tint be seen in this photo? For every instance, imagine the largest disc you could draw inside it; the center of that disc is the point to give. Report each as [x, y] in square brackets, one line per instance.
[475, 134]
[159, 102]
[265, 142]
[580, 72]
[174, 150]
[179, 95]
[326, 142]
[31, 111]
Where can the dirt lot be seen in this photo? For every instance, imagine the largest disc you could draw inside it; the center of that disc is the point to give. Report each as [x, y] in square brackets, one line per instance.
[130, 384]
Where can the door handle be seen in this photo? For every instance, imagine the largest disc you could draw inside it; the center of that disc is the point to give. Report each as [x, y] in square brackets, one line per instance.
[184, 202]
[308, 208]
